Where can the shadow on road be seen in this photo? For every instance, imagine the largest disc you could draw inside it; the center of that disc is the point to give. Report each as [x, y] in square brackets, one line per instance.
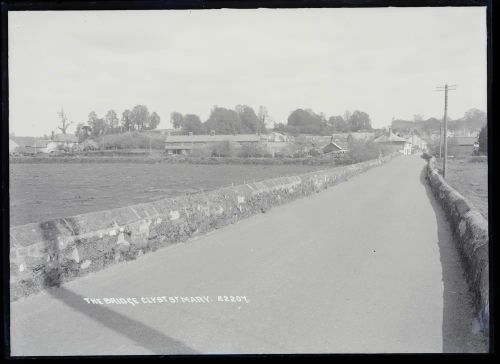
[457, 304]
[151, 339]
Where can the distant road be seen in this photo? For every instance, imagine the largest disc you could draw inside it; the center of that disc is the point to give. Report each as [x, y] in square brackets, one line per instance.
[366, 266]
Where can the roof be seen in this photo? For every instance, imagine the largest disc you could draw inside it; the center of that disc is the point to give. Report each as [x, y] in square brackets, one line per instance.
[391, 138]
[23, 141]
[330, 147]
[30, 142]
[463, 140]
[212, 138]
[65, 138]
[362, 135]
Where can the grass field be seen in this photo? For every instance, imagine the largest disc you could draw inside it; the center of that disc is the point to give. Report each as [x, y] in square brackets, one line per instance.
[469, 176]
[40, 192]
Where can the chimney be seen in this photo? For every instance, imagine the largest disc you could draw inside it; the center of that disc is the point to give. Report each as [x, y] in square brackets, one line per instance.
[52, 135]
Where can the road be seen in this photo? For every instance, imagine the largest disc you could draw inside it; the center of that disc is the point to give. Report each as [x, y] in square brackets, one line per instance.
[366, 266]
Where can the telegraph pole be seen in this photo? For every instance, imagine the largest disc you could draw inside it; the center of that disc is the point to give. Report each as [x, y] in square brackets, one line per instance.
[445, 88]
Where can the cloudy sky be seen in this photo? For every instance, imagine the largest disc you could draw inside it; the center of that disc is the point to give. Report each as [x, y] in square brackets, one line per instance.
[384, 61]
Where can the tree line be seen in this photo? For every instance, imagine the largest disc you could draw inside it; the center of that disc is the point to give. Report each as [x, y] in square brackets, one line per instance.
[139, 118]
[241, 120]
[472, 119]
[306, 121]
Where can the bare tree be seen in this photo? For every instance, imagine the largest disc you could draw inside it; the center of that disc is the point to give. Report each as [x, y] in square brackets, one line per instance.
[65, 123]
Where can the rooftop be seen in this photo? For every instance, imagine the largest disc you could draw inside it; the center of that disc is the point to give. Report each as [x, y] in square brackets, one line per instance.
[30, 142]
[212, 138]
[391, 138]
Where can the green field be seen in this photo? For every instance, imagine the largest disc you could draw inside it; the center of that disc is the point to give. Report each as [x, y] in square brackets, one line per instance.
[41, 191]
[469, 176]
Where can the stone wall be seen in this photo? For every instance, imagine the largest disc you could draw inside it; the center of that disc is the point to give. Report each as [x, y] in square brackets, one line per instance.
[49, 253]
[471, 232]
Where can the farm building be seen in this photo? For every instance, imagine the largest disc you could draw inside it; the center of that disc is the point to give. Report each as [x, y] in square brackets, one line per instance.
[276, 137]
[276, 142]
[30, 144]
[184, 144]
[395, 142]
[461, 145]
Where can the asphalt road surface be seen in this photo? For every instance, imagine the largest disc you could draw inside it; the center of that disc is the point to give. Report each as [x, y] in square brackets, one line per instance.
[366, 266]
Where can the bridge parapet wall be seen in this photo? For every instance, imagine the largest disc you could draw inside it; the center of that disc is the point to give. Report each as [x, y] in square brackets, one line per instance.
[471, 232]
[49, 253]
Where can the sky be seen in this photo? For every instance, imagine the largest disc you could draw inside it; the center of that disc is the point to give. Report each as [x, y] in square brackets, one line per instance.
[383, 61]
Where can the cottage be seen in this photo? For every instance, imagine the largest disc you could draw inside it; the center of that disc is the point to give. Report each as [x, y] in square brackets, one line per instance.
[184, 144]
[417, 143]
[62, 141]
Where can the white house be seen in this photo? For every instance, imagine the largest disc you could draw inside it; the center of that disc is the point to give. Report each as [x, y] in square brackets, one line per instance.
[62, 140]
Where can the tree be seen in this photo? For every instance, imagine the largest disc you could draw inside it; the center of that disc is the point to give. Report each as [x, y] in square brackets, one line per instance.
[360, 121]
[140, 116]
[306, 121]
[483, 140]
[176, 119]
[154, 120]
[224, 148]
[347, 116]
[474, 119]
[99, 127]
[92, 117]
[251, 122]
[339, 124]
[191, 123]
[112, 119]
[279, 127]
[127, 120]
[64, 121]
[224, 121]
[82, 131]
